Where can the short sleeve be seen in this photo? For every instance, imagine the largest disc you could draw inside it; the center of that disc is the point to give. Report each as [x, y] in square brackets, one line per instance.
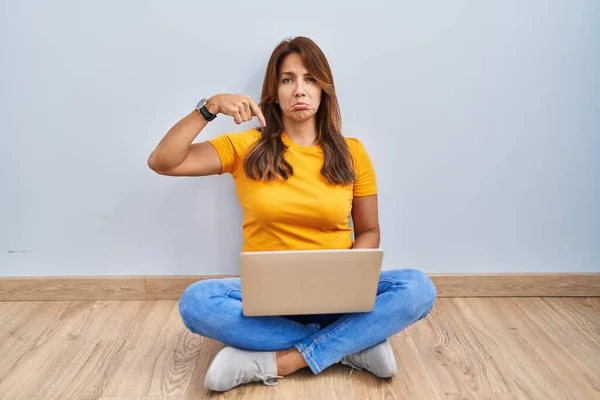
[232, 148]
[366, 181]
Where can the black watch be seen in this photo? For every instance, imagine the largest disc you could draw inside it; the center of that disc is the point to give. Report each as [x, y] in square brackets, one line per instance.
[201, 108]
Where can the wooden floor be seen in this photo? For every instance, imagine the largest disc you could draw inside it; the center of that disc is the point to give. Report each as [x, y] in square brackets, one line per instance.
[468, 348]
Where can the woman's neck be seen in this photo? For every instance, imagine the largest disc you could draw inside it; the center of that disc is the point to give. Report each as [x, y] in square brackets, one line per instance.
[302, 133]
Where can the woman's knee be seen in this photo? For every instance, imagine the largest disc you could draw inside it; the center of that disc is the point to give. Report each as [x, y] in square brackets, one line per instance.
[417, 288]
[197, 304]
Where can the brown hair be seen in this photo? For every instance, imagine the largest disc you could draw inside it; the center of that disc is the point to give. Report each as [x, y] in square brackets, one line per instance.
[265, 159]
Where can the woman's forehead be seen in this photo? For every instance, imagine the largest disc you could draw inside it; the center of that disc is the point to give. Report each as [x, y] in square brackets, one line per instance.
[293, 64]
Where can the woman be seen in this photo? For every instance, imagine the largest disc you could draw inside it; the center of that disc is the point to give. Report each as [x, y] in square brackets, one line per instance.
[298, 181]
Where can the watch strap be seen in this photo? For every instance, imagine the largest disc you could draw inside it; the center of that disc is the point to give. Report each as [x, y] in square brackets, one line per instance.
[201, 107]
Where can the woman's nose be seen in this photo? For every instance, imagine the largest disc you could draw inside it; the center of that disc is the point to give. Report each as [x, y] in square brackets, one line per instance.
[299, 90]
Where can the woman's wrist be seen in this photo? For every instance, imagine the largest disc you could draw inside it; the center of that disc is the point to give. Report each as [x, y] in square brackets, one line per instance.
[212, 105]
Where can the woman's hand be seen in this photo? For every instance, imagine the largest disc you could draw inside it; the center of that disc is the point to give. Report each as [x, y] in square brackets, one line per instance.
[241, 108]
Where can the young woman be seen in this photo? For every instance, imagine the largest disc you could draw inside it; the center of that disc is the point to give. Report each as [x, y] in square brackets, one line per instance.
[298, 180]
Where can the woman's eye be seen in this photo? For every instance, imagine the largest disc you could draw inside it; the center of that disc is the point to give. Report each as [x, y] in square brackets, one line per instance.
[286, 80]
[311, 80]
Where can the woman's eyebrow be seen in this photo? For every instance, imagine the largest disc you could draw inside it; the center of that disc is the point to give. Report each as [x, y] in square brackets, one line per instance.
[292, 73]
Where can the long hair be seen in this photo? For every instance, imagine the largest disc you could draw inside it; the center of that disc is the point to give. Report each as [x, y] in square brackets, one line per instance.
[265, 159]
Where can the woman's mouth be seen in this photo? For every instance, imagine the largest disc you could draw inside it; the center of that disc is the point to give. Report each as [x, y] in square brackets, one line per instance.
[300, 106]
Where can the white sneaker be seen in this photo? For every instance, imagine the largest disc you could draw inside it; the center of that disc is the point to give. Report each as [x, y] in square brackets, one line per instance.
[378, 359]
[233, 367]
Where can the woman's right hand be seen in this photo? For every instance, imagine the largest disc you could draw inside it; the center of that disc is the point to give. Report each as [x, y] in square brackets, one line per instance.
[241, 108]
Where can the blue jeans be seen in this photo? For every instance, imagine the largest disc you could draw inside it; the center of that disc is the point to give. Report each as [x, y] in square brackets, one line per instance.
[213, 308]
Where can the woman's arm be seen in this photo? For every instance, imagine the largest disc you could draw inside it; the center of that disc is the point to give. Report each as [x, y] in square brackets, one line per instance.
[365, 217]
[176, 155]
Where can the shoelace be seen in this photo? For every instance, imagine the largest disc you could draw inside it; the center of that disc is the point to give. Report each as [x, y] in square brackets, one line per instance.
[271, 380]
[350, 373]
[352, 367]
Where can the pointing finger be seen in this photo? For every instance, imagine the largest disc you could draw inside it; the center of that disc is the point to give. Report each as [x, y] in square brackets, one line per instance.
[256, 110]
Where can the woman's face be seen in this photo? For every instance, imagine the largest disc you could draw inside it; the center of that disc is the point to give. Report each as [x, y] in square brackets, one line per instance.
[298, 93]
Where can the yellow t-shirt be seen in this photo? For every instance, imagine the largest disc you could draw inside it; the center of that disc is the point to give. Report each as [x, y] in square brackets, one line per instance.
[305, 212]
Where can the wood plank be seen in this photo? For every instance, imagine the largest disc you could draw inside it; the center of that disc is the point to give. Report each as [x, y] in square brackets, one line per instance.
[72, 288]
[50, 352]
[88, 375]
[178, 360]
[580, 345]
[467, 348]
[559, 361]
[44, 376]
[161, 361]
[412, 381]
[454, 357]
[531, 363]
[584, 312]
[87, 325]
[23, 319]
[13, 351]
[171, 287]
[20, 333]
[517, 285]
[331, 384]
[525, 375]
[143, 398]
[116, 320]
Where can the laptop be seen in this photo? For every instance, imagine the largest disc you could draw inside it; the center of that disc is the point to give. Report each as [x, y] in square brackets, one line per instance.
[300, 282]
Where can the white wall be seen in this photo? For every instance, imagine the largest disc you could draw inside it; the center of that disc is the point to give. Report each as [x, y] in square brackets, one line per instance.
[482, 118]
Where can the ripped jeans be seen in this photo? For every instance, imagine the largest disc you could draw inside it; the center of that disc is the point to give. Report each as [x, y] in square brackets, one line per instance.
[213, 308]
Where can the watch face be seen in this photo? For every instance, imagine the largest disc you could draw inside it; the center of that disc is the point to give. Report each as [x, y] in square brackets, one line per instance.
[201, 103]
